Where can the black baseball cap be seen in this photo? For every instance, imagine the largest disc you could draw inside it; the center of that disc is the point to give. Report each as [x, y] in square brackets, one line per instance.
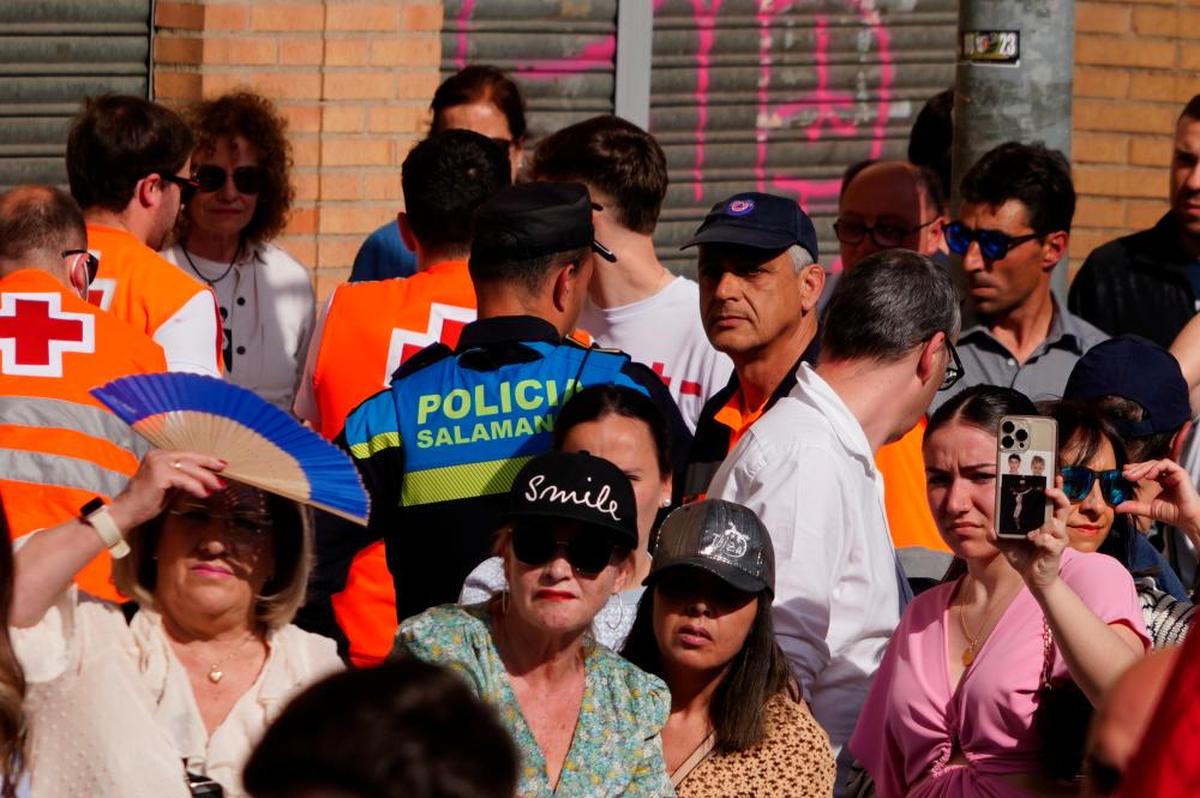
[762, 221]
[533, 220]
[1139, 370]
[723, 538]
[576, 486]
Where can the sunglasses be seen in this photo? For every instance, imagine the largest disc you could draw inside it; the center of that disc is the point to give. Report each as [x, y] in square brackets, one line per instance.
[246, 179]
[246, 524]
[187, 187]
[92, 262]
[884, 236]
[954, 369]
[588, 553]
[1078, 482]
[993, 244]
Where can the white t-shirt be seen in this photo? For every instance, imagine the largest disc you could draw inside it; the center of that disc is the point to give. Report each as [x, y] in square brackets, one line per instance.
[665, 333]
[808, 471]
[266, 302]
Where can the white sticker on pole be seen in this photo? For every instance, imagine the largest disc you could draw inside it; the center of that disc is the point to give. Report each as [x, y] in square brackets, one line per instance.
[990, 47]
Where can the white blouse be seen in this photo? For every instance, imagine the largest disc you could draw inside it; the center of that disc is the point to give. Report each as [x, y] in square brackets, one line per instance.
[267, 304]
[111, 709]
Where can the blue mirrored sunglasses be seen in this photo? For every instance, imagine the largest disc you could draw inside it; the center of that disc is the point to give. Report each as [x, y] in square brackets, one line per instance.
[993, 244]
[1078, 482]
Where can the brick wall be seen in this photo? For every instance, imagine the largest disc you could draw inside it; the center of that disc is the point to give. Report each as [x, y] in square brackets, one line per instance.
[354, 80]
[1136, 64]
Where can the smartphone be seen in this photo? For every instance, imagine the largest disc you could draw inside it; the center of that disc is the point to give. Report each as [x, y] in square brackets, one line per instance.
[1026, 462]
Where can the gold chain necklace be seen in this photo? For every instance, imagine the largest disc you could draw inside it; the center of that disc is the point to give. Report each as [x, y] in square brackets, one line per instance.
[215, 674]
[974, 642]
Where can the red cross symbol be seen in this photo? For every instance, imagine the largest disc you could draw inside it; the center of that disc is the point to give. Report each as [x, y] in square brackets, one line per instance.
[35, 332]
[686, 387]
[446, 323]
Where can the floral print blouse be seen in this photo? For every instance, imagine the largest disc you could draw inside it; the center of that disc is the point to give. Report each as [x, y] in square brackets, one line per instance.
[616, 748]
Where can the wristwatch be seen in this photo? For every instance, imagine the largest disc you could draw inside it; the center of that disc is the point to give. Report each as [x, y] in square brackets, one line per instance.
[95, 514]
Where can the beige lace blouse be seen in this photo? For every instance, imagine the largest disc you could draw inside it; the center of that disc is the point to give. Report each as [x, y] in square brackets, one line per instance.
[112, 713]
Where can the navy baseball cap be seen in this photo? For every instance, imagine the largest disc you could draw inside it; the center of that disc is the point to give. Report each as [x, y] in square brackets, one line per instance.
[1140, 371]
[762, 221]
[533, 220]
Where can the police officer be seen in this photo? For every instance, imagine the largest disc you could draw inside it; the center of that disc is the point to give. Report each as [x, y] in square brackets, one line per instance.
[438, 450]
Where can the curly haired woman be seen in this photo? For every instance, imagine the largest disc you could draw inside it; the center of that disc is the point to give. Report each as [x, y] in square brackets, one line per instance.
[242, 163]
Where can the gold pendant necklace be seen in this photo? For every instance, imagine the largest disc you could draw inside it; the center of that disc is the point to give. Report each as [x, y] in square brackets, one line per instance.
[974, 642]
[215, 674]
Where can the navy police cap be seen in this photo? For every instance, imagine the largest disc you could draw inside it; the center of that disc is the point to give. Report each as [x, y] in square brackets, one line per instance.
[762, 221]
[534, 220]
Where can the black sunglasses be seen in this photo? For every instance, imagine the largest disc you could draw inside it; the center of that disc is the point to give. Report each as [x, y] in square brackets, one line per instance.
[187, 186]
[246, 179]
[589, 553]
[1078, 482]
[884, 236]
[993, 244]
[954, 369]
[93, 263]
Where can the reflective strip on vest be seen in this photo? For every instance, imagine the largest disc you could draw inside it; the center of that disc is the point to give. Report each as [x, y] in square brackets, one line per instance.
[34, 411]
[467, 480]
[59, 471]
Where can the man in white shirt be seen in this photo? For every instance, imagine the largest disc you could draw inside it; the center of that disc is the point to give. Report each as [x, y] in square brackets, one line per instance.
[635, 304]
[807, 467]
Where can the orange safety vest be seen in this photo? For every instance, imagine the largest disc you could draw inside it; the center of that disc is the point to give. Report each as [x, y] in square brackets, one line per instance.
[137, 285]
[902, 466]
[370, 329]
[59, 447]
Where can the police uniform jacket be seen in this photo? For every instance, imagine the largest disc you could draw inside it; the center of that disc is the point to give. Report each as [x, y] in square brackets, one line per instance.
[438, 450]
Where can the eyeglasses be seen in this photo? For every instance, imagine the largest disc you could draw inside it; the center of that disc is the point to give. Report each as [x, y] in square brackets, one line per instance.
[92, 262]
[954, 369]
[1078, 482]
[246, 525]
[588, 553]
[187, 186]
[246, 179]
[993, 244]
[884, 236]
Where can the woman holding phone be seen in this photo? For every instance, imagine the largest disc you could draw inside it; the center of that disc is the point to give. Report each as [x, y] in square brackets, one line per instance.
[952, 709]
[1093, 457]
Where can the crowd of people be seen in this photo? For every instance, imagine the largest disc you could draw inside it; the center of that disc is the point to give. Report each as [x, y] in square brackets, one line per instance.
[780, 530]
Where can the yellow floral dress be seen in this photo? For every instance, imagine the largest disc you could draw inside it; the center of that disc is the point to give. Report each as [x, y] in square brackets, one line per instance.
[616, 748]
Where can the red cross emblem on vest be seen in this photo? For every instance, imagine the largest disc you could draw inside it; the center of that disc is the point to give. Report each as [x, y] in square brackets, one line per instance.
[35, 333]
[445, 325]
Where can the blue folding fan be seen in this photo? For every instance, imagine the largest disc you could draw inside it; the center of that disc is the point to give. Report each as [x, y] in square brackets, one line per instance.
[263, 445]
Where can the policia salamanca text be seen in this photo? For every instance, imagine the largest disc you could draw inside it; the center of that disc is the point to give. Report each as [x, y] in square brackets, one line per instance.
[436, 412]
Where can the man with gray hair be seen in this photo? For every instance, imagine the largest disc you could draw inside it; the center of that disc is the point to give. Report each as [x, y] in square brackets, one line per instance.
[759, 286]
[807, 467]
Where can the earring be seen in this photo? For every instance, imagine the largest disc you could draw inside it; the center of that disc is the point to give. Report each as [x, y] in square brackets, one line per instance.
[613, 627]
[665, 503]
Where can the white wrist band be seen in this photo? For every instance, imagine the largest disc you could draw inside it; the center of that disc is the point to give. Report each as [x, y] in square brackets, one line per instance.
[109, 532]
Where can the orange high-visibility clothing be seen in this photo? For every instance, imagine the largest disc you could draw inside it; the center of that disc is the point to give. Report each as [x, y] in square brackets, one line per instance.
[369, 329]
[138, 286]
[59, 447]
[902, 467]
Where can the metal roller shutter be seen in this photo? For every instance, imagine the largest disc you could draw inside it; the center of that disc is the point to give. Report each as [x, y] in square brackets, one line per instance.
[781, 97]
[768, 95]
[560, 52]
[53, 53]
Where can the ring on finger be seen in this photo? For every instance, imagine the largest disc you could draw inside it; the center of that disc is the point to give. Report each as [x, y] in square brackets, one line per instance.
[178, 465]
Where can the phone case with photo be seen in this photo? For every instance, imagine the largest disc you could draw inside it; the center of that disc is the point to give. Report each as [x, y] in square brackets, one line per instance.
[1026, 462]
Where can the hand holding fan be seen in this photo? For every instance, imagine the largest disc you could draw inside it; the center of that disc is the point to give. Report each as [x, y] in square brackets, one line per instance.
[264, 446]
